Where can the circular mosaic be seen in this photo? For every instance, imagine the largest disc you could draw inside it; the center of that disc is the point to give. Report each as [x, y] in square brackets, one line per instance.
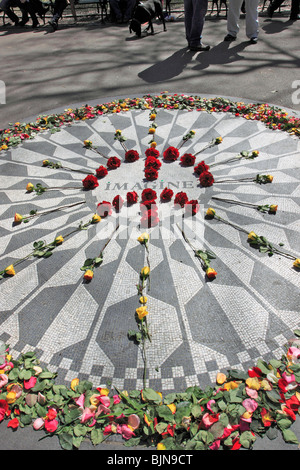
[199, 324]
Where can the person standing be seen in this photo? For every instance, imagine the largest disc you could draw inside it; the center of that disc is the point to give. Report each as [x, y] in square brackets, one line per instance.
[194, 17]
[252, 27]
[295, 9]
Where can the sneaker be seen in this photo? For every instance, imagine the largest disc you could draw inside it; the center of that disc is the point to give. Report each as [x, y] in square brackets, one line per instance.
[253, 40]
[201, 47]
[229, 37]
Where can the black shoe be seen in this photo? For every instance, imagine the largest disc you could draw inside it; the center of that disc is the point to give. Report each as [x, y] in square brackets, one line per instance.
[22, 23]
[53, 24]
[253, 40]
[229, 37]
[35, 25]
[201, 47]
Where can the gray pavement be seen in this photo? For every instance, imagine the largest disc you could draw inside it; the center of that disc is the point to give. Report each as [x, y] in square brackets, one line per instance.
[93, 62]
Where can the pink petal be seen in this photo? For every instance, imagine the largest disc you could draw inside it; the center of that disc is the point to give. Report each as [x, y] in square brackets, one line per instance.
[86, 415]
[251, 392]
[211, 402]
[250, 404]
[80, 401]
[105, 400]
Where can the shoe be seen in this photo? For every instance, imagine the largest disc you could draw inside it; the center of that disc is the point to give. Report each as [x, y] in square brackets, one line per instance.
[270, 11]
[201, 47]
[22, 23]
[35, 25]
[294, 18]
[253, 40]
[229, 37]
[53, 24]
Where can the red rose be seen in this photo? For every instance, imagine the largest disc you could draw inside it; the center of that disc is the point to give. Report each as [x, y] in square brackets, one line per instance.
[101, 171]
[152, 152]
[166, 195]
[188, 159]
[147, 206]
[200, 168]
[90, 182]
[181, 199]
[131, 197]
[3, 409]
[171, 154]
[206, 179]
[192, 207]
[151, 174]
[131, 156]
[152, 162]
[113, 163]
[148, 195]
[118, 203]
[104, 209]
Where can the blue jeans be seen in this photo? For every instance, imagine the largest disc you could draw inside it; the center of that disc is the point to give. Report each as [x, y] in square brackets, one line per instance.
[194, 17]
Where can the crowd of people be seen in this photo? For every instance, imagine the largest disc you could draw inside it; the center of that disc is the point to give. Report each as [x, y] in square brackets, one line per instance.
[121, 10]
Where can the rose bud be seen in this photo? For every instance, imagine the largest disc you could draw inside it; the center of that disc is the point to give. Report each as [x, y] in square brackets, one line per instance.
[296, 263]
[211, 273]
[273, 208]
[88, 275]
[252, 236]
[87, 143]
[153, 144]
[10, 270]
[58, 240]
[218, 140]
[18, 218]
[145, 271]
[269, 178]
[45, 162]
[96, 218]
[210, 212]
[255, 153]
[29, 187]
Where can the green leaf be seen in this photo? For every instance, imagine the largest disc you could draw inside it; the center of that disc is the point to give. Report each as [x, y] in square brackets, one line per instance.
[66, 440]
[151, 395]
[284, 423]
[247, 439]
[289, 436]
[96, 436]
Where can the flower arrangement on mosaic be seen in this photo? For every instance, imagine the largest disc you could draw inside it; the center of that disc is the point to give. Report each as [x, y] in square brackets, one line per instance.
[143, 333]
[241, 406]
[41, 249]
[91, 263]
[259, 242]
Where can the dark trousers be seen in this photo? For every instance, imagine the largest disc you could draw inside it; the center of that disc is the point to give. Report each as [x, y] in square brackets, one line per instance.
[59, 7]
[294, 9]
[6, 6]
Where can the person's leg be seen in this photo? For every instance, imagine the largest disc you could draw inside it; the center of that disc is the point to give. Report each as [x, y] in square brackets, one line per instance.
[273, 6]
[194, 20]
[233, 16]
[5, 6]
[129, 9]
[252, 27]
[59, 7]
[295, 10]
[115, 6]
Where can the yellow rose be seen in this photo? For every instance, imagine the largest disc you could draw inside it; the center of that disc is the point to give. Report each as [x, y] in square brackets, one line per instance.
[255, 153]
[252, 236]
[296, 263]
[11, 397]
[4, 147]
[273, 208]
[74, 383]
[94, 399]
[269, 178]
[210, 212]
[143, 300]
[45, 162]
[118, 132]
[144, 238]
[221, 378]
[145, 271]
[253, 383]
[10, 270]
[211, 273]
[153, 145]
[141, 312]
[88, 275]
[161, 446]
[151, 130]
[18, 218]
[96, 218]
[218, 140]
[152, 116]
[29, 187]
[88, 143]
[58, 240]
